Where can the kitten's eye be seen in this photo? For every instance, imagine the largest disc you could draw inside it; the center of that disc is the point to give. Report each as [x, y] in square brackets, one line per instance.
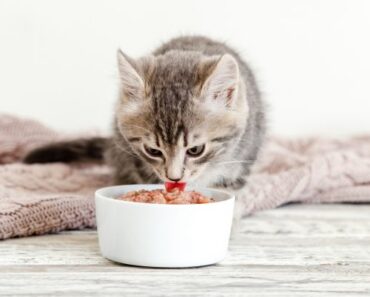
[196, 151]
[153, 152]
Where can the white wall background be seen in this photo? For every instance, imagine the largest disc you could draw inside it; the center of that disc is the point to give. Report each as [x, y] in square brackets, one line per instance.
[311, 57]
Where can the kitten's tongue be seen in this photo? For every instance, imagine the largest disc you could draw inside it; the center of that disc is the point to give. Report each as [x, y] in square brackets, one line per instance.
[173, 185]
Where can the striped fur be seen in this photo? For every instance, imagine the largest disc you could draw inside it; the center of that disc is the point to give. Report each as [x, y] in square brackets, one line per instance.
[191, 91]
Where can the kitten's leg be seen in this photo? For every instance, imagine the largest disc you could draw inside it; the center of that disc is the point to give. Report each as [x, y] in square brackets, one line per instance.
[119, 179]
[238, 188]
[240, 211]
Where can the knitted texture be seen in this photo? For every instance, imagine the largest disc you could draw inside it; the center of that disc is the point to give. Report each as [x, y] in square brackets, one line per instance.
[37, 199]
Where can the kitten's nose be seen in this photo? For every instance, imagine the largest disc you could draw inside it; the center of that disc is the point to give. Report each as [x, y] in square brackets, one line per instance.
[175, 167]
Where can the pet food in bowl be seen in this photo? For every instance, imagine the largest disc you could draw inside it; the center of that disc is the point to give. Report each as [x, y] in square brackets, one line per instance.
[175, 196]
[162, 234]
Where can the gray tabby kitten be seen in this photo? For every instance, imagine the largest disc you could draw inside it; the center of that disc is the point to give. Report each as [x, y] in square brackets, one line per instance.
[190, 111]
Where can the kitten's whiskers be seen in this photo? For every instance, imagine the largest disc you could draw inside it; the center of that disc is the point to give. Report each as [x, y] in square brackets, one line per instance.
[236, 162]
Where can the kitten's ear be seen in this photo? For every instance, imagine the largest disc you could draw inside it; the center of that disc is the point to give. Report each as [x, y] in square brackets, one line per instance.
[132, 83]
[222, 83]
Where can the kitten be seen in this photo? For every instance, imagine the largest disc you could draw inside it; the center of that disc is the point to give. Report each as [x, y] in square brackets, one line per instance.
[191, 111]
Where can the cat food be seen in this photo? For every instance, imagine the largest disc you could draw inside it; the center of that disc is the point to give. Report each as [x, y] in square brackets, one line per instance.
[174, 196]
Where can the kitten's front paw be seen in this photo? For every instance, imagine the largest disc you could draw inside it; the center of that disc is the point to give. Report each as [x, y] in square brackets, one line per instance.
[240, 211]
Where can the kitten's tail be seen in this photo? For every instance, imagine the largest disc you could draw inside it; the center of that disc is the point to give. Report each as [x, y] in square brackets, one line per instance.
[69, 151]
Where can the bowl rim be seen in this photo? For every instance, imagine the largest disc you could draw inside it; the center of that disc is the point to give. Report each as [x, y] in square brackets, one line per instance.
[99, 195]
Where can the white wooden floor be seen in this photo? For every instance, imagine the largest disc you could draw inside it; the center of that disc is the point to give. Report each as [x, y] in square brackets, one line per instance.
[298, 250]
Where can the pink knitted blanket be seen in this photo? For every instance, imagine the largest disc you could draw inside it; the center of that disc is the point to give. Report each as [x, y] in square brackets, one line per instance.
[37, 199]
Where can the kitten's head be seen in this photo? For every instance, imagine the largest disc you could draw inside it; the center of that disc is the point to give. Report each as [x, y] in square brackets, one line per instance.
[181, 112]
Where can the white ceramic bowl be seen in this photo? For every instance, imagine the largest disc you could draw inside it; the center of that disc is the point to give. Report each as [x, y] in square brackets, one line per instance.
[160, 235]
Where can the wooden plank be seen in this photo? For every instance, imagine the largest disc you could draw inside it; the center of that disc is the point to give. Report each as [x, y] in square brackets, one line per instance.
[211, 281]
[298, 250]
